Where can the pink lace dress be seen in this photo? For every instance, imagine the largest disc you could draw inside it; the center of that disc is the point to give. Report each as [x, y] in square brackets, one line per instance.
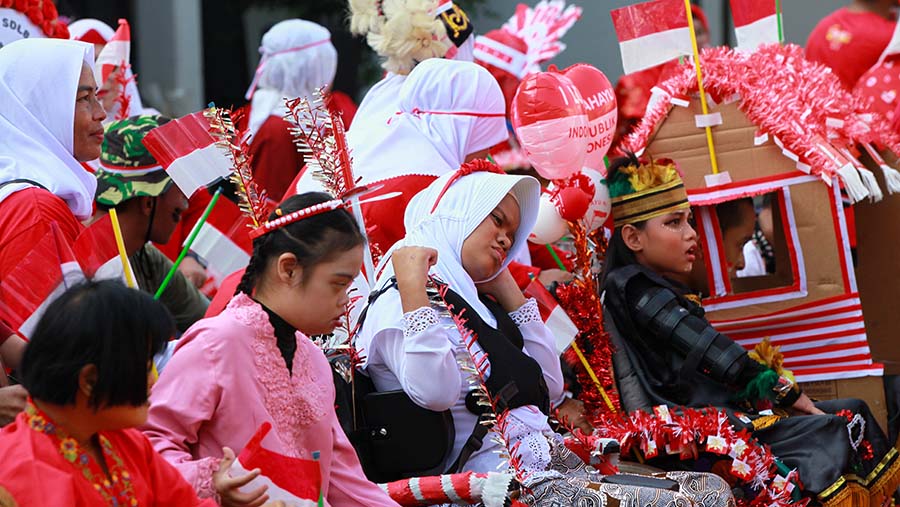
[226, 378]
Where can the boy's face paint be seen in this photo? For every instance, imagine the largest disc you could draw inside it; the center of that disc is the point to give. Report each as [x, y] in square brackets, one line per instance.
[666, 244]
[484, 251]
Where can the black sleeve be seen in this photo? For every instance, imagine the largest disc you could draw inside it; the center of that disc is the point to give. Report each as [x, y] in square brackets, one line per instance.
[662, 319]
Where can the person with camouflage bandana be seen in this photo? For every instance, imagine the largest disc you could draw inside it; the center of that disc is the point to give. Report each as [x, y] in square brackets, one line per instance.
[149, 206]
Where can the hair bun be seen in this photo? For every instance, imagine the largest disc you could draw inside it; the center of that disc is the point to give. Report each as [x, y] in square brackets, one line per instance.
[402, 32]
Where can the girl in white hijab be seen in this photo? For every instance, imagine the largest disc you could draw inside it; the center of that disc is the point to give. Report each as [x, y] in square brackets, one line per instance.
[297, 57]
[465, 236]
[39, 143]
[462, 230]
[448, 112]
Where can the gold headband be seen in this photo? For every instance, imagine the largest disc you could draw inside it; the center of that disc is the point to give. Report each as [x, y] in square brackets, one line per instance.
[649, 203]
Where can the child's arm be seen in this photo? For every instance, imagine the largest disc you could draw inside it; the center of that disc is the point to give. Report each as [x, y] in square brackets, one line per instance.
[660, 316]
[11, 350]
[184, 399]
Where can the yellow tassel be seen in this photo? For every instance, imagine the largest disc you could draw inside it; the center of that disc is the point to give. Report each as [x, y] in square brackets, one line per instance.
[770, 355]
[650, 175]
[875, 491]
[852, 495]
[888, 480]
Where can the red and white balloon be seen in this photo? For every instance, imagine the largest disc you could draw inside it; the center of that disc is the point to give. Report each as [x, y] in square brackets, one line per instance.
[550, 226]
[599, 102]
[551, 124]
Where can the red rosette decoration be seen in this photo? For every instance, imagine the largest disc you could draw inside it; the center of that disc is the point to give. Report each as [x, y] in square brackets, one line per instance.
[42, 13]
[572, 196]
[753, 463]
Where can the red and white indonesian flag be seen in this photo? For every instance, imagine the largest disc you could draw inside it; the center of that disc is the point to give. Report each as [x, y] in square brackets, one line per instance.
[42, 276]
[652, 33]
[116, 53]
[296, 482]
[755, 23]
[224, 239]
[554, 316]
[188, 152]
[97, 253]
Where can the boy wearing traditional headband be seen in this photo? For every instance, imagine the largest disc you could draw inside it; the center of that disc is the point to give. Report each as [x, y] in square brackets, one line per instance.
[149, 207]
[676, 358]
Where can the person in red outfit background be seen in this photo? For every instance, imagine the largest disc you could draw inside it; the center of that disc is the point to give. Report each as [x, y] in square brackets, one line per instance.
[851, 39]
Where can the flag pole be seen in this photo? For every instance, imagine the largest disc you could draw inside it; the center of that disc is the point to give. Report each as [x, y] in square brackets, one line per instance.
[190, 242]
[703, 104]
[780, 22]
[120, 245]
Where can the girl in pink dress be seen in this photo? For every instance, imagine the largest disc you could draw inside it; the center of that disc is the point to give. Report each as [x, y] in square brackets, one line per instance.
[253, 363]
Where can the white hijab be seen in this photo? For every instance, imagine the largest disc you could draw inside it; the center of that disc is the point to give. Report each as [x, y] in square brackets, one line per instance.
[467, 202]
[447, 110]
[383, 100]
[38, 87]
[297, 57]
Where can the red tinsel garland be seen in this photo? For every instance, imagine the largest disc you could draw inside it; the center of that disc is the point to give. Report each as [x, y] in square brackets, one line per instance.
[781, 92]
[42, 13]
[123, 100]
[706, 430]
[497, 418]
[581, 301]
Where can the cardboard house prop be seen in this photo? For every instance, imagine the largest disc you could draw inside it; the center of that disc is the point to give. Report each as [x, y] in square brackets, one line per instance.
[787, 135]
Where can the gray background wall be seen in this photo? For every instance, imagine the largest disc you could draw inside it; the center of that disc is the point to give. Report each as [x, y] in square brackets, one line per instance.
[593, 39]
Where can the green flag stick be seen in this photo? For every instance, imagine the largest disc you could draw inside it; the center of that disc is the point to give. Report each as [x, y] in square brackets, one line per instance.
[189, 243]
[559, 261]
[780, 24]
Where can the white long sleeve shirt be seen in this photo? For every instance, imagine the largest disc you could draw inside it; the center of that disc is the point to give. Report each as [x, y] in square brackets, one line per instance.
[422, 360]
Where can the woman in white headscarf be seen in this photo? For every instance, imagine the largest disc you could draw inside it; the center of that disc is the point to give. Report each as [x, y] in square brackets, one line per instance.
[44, 84]
[50, 120]
[448, 112]
[404, 33]
[446, 303]
[297, 58]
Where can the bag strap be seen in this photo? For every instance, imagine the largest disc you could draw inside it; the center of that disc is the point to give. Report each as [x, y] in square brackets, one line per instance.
[22, 180]
[476, 439]
[473, 443]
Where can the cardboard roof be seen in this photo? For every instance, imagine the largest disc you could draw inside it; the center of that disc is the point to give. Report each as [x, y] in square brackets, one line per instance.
[798, 103]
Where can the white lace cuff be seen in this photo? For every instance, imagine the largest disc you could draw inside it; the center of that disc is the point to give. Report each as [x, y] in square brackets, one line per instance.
[527, 313]
[419, 320]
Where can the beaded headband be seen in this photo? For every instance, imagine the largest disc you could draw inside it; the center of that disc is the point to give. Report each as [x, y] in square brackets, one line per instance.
[315, 209]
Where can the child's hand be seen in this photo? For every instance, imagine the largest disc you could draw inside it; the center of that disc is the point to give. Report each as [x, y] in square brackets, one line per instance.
[228, 487]
[804, 405]
[411, 265]
[505, 290]
[550, 276]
